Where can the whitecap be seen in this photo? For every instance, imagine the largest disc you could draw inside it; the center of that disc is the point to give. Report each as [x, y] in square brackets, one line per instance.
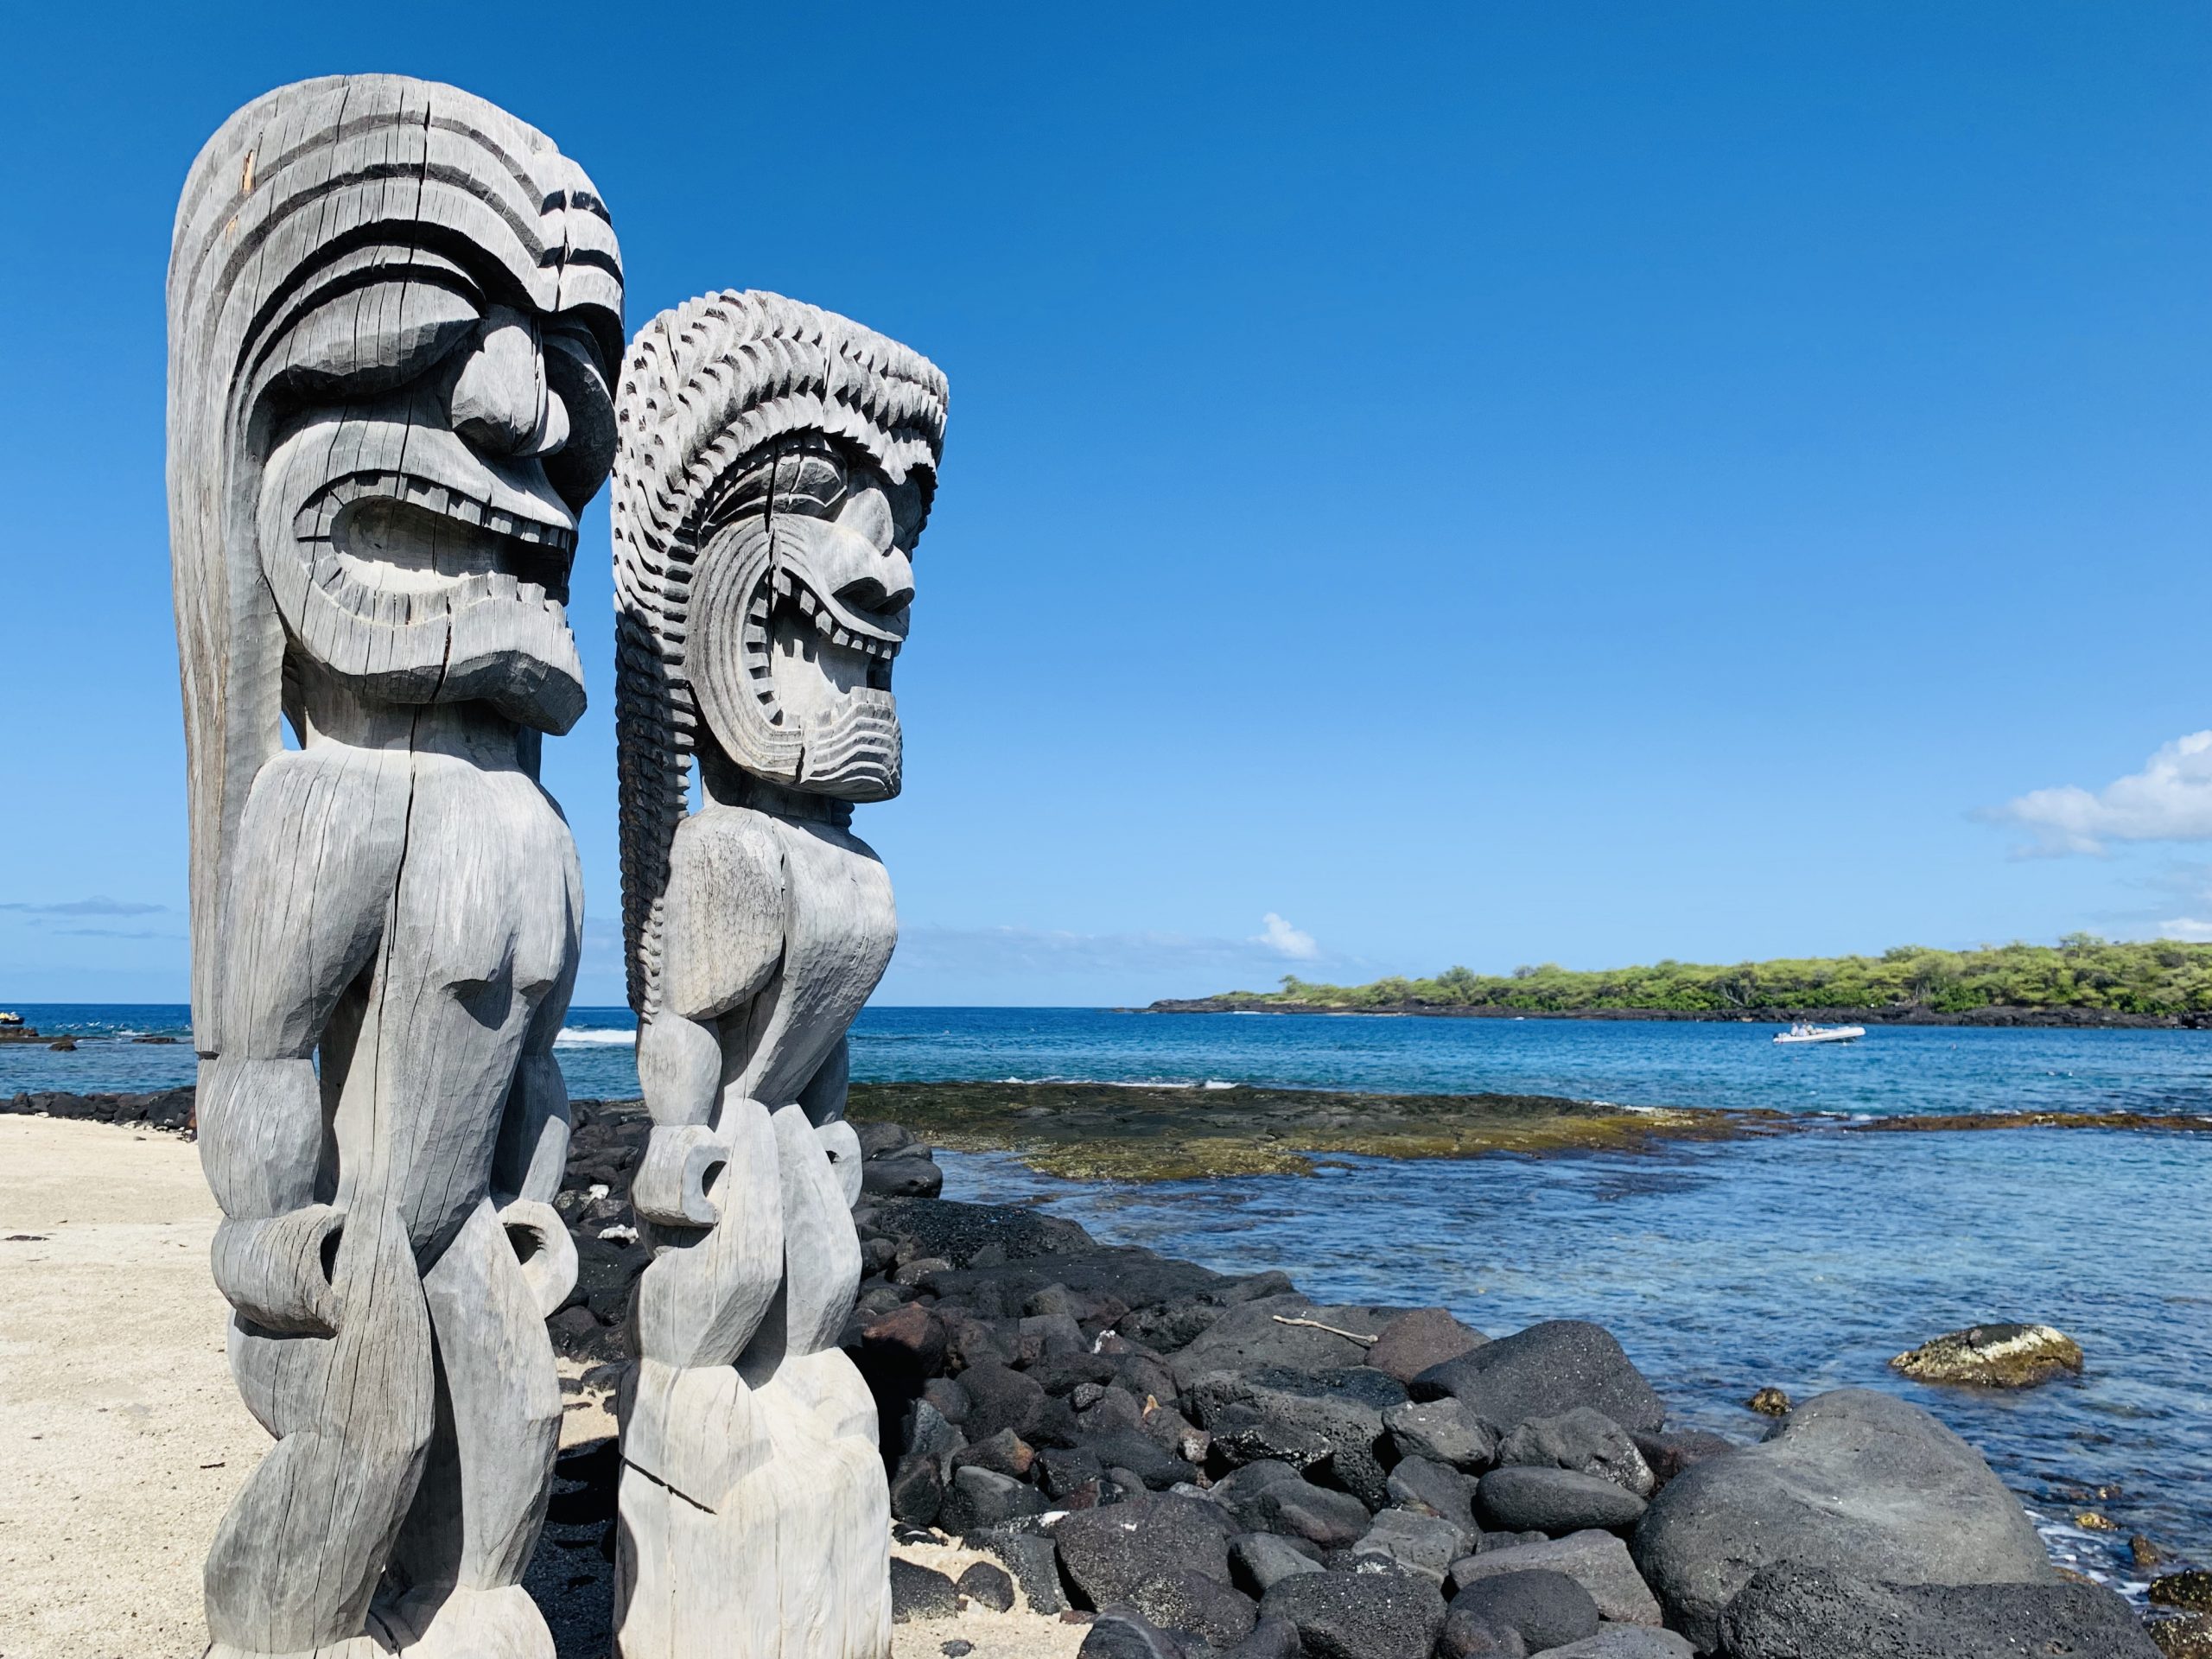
[579, 1036]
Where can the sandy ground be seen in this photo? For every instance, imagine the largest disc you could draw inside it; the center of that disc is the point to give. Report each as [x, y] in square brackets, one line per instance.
[123, 1440]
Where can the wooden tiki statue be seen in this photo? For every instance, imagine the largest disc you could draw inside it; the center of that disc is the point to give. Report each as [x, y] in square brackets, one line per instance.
[776, 466]
[391, 310]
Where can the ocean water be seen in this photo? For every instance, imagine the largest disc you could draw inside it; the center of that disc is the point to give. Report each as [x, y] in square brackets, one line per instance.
[1801, 1261]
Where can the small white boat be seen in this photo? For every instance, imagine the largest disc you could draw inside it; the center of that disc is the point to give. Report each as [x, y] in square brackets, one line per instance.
[1806, 1031]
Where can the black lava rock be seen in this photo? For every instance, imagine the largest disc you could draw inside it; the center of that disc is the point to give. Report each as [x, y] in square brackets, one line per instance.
[1542, 1371]
[920, 1592]
[1545, 1610]
[917, 1492]
[1552, 1500]
[1193, 1602]
[1434, 1488]
[1107, 1554]
[1806, 1613]
[1359, 1615]
[974, 1499]
[1259, 1560]
[1125, 1633]
[1443, 1431]
[988, 1587]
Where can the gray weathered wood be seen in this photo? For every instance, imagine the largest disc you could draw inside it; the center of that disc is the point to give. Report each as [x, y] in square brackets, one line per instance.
[388, 306]
[776, 464]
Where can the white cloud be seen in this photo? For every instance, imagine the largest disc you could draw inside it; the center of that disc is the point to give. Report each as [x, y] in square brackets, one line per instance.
[2187, 928]
[1280, 936]
[2170, 799]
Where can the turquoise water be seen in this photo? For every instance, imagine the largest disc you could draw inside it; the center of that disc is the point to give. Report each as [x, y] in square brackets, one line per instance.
[1802, 1260]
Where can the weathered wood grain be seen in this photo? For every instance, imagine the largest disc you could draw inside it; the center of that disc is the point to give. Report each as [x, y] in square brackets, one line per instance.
[775, 466]
[389, 309]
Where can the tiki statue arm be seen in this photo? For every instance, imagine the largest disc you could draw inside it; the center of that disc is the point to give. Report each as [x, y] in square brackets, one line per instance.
[723, 942]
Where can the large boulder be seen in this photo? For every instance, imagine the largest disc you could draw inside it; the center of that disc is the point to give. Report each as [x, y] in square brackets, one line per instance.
[1359, 1615]
[1554, 1500]
[1542, 1371]
[1860, 1483]
[1110, 1554]
[1809, 1613]
[1597, 1562]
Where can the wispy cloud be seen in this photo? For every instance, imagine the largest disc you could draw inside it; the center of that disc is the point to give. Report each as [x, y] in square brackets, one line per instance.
[1024, 964]
[1281, 938]
[2170, 799]
[95, 906]
[114, 932]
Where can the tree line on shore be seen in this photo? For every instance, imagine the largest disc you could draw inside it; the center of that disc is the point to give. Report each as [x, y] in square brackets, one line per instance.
[2160, 978]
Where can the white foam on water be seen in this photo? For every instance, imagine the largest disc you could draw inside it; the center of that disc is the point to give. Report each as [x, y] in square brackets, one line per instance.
[578, 1036]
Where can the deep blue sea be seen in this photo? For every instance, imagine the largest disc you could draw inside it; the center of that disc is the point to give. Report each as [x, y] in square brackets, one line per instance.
[1802, 1260]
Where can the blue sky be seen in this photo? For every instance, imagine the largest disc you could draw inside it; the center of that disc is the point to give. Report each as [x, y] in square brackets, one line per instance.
[1489, 484]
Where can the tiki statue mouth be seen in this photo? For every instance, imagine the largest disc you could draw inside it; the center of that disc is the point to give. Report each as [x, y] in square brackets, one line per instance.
[817, 610]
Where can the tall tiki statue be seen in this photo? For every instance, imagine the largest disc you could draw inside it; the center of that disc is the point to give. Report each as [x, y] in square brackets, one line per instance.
[390, 309]
[776, 464]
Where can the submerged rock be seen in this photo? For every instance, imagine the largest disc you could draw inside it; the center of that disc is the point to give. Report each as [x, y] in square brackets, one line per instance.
[1859, 1483]
[1809, 1613]
[2184, 1638]
[2191, 1591]
[1993, 1357]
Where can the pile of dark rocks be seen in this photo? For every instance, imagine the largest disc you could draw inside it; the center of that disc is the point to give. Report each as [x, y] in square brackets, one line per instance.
[1205, 1465]
[164, 1109]
[1202, 1464]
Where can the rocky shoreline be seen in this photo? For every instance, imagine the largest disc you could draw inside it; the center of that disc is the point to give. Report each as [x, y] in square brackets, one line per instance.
[1082, 1131]
[2003, 1017]
[1195, 1465]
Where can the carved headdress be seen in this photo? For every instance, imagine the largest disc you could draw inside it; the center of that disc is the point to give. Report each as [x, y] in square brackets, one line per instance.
[709, 389]
[311, 207]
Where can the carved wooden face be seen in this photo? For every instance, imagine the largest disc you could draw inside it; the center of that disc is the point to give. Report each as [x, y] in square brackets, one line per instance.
[798, 607]
[432, 440]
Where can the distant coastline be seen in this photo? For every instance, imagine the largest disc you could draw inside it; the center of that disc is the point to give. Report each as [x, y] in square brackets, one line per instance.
[2082, 981]
[2076, 1018]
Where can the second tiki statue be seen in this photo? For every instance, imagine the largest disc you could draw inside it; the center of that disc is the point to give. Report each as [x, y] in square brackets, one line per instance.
[776, 464]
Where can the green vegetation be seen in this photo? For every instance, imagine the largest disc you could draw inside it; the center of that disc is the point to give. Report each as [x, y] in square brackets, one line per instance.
[2160, 978]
